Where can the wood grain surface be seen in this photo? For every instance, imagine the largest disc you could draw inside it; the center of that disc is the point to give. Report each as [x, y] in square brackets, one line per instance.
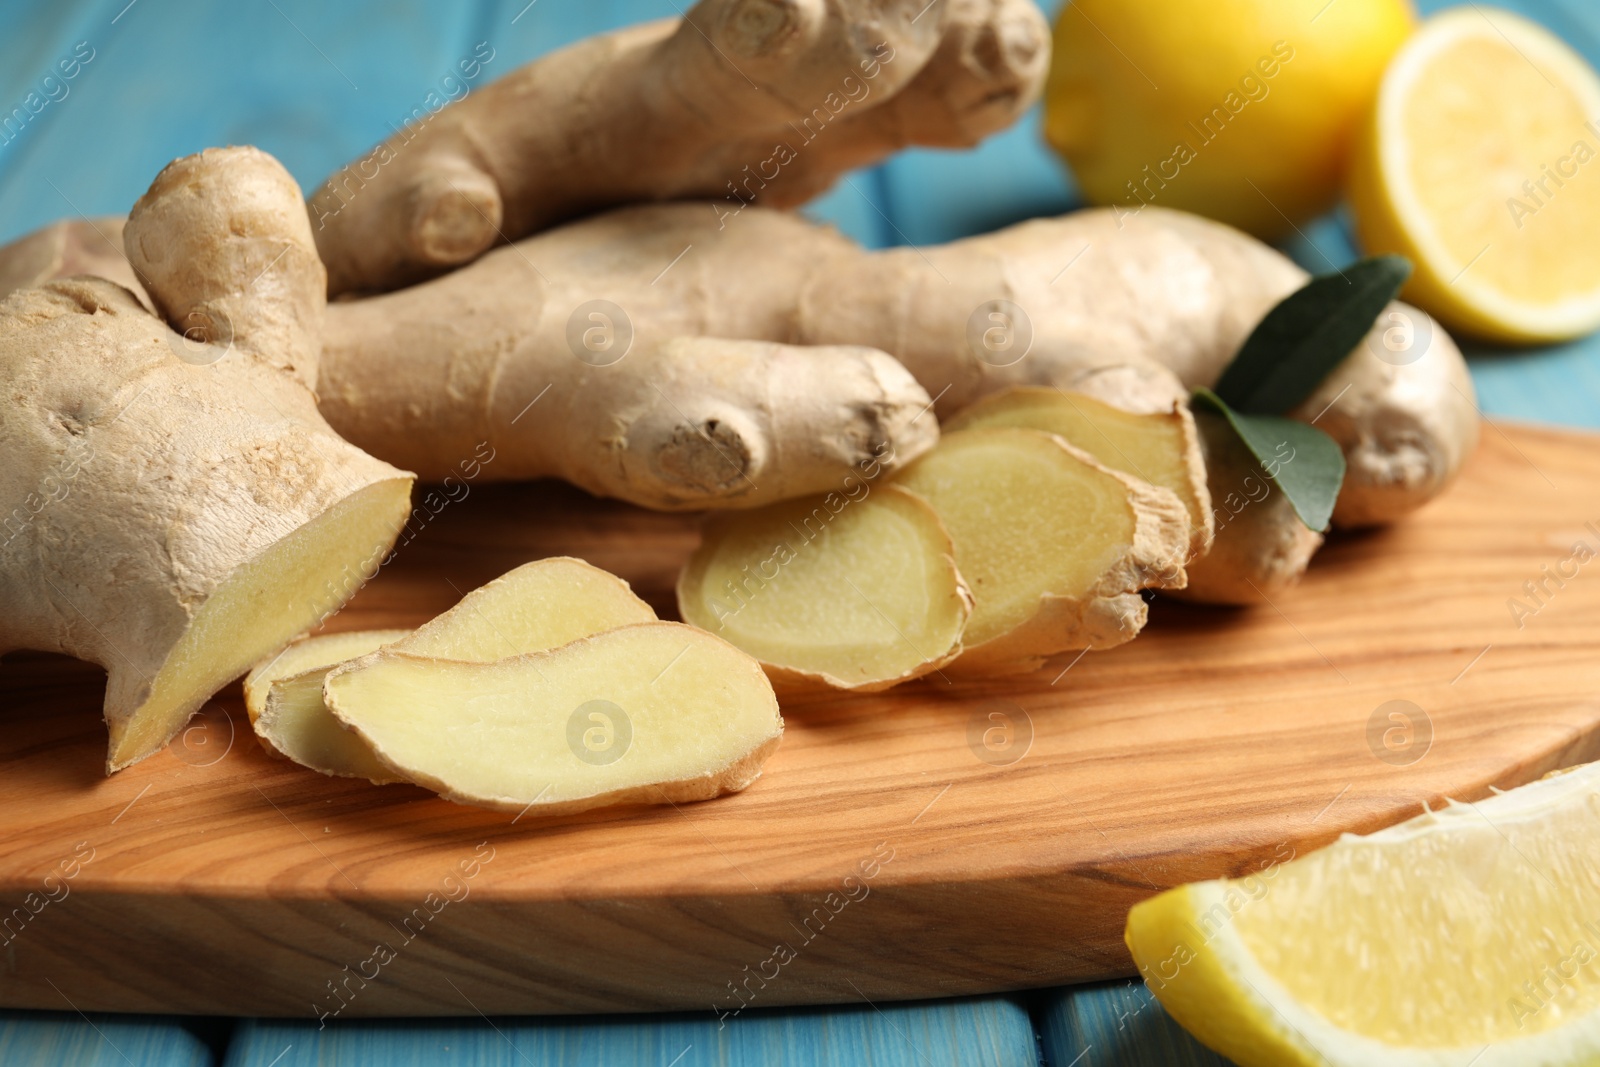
[213, 879]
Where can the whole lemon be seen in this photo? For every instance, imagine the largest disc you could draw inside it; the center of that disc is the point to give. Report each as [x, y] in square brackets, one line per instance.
[1241, 110]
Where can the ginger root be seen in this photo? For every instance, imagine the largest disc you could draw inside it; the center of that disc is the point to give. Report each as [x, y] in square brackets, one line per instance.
[1246, 541]
[67, 248]
[552, 689]
[1260, 548]
[1146, 311]
[741, 100]
[175, 507]
[1010, 546]
[1137, 309]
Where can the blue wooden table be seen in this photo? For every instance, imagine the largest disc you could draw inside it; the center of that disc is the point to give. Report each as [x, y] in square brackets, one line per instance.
[315, 84]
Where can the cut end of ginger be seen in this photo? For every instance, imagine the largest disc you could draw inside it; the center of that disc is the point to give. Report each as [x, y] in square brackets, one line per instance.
[856, 593]
[538, 606]
[1162, 449]
[263, 604]
[1054, 546]
[651, 713]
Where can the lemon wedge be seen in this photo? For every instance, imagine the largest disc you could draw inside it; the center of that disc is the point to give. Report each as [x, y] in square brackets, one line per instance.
[1481, 162]
[1466, 936]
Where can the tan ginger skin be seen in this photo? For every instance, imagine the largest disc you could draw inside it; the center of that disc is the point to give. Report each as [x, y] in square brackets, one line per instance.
[713, 405]
[765, 101]
[145, 468]
[1161, 304]
[1156, 304]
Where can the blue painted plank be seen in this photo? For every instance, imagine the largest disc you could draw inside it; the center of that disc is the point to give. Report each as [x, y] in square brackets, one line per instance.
[1116, 1025]
[991, 1032]
[526, 31]
[854, 207]
[36, 37]
[940, 195]
[1575, 21]
[51, 1039]
[313, 83]
[1556, 386]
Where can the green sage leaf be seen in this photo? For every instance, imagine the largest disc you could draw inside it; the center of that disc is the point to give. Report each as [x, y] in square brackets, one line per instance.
[1304, 462]
[1310, 332]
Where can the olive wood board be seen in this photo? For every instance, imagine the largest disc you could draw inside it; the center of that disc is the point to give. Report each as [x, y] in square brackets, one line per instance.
[939, 839]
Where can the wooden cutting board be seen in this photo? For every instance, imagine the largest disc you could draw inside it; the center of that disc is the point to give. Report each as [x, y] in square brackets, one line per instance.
[935, 840]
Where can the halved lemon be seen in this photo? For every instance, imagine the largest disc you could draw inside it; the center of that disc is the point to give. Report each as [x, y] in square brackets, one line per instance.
[1467, 936]
[1481, 162]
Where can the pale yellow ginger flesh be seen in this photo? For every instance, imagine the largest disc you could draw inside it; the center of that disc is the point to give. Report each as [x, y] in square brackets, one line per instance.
[291, 586]
[538, 606]
[652, 713]
[857, 592]
[1054, 546]
[284, 699]
[1162, 448]
[1469, 934]
[308, 654]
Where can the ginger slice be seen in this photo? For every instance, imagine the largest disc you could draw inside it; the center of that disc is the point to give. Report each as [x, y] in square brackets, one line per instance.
[286, 692]
[538, 606]
[1054, 545]
[1160, 448]
[651, 713]
[855, 593]
[309, 653]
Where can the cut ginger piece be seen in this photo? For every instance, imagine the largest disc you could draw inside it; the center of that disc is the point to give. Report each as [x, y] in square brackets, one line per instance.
[856, 593]
[1055, 546]
[538, 606]
[653, 713]
[283, 589]
[309, 653]
[287, 692]
[1160, 448]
